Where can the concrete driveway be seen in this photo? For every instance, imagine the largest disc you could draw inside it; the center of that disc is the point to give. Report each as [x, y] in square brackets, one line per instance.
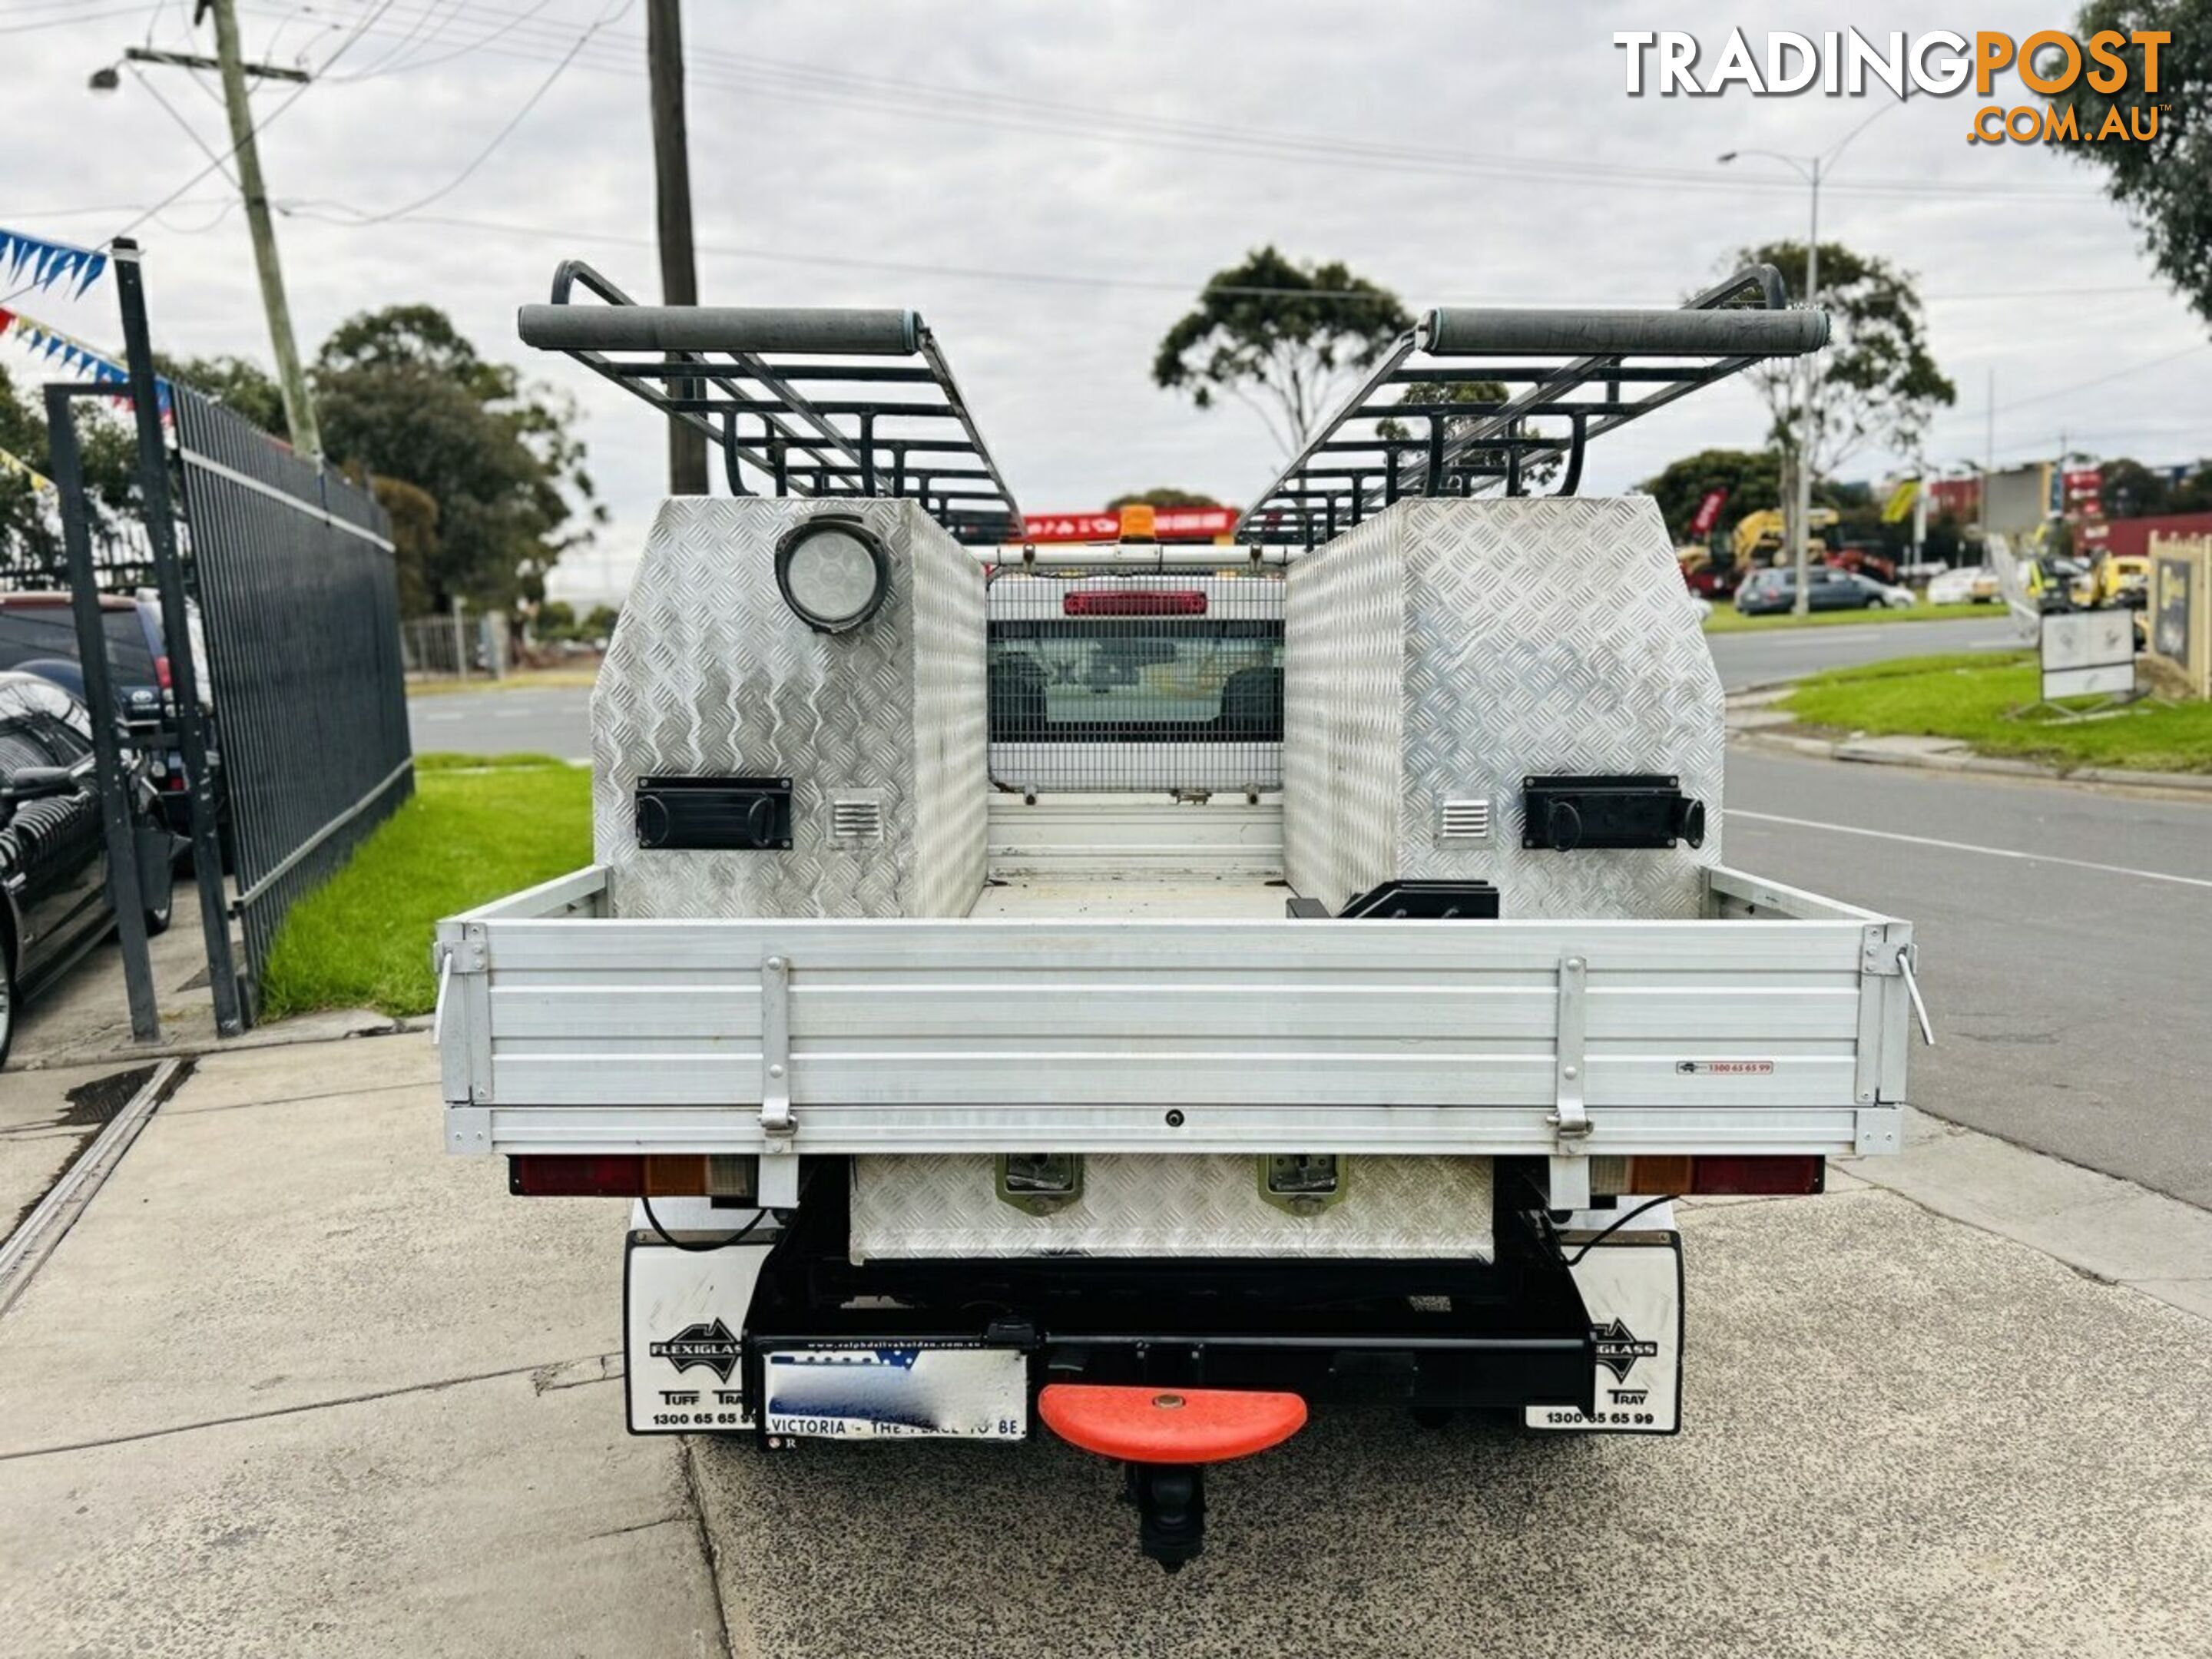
[297, 1382]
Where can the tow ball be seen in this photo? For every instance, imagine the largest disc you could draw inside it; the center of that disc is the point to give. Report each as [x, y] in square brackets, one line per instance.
[1165, 1439]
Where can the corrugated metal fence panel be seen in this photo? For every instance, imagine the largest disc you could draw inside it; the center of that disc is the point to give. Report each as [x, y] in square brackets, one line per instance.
[300, 597]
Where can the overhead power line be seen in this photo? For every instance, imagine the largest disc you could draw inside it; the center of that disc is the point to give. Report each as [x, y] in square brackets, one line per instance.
[65, 21]
[1958, 418]
[503, 135]
[1084, 279]
[260, 123]
[520, 36]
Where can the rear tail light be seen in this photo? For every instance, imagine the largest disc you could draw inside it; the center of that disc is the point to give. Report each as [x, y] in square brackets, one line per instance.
[679, 1175]
[1709, 1176]
[1171, 602]
[162, 671]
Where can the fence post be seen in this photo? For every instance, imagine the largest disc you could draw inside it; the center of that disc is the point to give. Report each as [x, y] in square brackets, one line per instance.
[176, 630]
[120, 833]
[460, 642]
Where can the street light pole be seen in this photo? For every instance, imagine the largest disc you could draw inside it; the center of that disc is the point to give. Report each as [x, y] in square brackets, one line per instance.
[1801, 534]
[1810, 168]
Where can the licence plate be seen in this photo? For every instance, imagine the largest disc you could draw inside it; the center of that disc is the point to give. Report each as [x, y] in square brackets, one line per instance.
[897, 1393]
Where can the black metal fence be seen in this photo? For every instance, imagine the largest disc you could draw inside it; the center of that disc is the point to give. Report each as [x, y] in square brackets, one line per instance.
[122, 558]
[293, 572]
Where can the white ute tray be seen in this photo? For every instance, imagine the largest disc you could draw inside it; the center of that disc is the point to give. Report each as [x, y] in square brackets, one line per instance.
[1775, 1024]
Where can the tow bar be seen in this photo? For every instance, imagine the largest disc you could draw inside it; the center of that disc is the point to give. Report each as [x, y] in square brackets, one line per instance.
[1165, 1439]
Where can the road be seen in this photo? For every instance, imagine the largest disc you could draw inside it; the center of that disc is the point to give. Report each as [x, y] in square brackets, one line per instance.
[1769, 654]
[556, 720]
[542, 721]
[2069, 989]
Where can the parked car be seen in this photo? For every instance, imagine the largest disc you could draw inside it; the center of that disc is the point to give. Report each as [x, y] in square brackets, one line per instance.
[1770, 593]
[38, 635]
[1970, 584]
[53, 849]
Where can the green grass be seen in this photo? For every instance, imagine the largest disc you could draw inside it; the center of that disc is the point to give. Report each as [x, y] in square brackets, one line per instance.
[520, 679]
[444, 762]
[1976, 697]
[476, 830]
[1727, 619]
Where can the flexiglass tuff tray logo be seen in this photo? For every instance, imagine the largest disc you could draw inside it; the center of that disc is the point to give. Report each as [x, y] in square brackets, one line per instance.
[1618, 1348]
[710, 1345]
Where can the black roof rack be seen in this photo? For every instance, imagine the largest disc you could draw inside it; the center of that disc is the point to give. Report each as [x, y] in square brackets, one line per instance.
[1592, 370]
[775, 389]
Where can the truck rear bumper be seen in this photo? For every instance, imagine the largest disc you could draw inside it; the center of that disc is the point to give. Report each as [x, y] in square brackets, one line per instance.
[741, 1340]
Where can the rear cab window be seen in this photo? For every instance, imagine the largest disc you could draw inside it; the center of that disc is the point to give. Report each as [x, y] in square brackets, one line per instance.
[1160, 682]
[1082, 663]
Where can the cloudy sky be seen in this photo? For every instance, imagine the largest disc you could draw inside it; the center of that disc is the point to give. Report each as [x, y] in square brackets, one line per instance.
[1049, 183]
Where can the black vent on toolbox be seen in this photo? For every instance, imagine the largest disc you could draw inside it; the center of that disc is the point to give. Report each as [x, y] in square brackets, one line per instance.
[1573, 813]
[743, 815]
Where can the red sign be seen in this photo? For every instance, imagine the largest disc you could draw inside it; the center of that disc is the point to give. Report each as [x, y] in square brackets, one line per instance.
[2083, 492]
[1962, 497]
[1169, 524]
[1708, 513]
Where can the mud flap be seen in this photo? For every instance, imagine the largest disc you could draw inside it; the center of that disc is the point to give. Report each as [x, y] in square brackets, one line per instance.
[1631, 1285]
[683, 1323]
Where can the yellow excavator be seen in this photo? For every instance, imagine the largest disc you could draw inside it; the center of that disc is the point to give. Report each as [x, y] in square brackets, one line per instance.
[1758, 539]
[1757, 536]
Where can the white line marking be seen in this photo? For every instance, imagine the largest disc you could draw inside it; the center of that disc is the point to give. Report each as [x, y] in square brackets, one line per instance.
[1968, 846]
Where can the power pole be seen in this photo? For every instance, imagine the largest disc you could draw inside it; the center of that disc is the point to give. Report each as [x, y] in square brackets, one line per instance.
[299, 407]
[671, 178]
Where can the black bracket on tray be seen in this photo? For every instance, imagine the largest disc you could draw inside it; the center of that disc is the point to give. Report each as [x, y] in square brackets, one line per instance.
[1406, 901]
[740, 815]
[1575, 812]
[1423, 900]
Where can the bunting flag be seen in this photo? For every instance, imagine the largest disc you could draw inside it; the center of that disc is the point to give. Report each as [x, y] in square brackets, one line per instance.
[33, 262]
[72, 355]
[17, 464]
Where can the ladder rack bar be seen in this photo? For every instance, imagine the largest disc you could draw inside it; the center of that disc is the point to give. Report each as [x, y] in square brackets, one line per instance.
[1713, 335]
[707, 367]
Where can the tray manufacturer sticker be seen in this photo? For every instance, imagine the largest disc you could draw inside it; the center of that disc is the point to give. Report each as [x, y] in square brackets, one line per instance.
[1725, 1067]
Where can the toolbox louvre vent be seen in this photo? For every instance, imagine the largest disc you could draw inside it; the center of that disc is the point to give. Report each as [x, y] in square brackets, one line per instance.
[1464, 820]
[856, 820]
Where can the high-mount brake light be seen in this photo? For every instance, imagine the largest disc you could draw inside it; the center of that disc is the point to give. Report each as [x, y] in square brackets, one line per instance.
[1172, 602]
